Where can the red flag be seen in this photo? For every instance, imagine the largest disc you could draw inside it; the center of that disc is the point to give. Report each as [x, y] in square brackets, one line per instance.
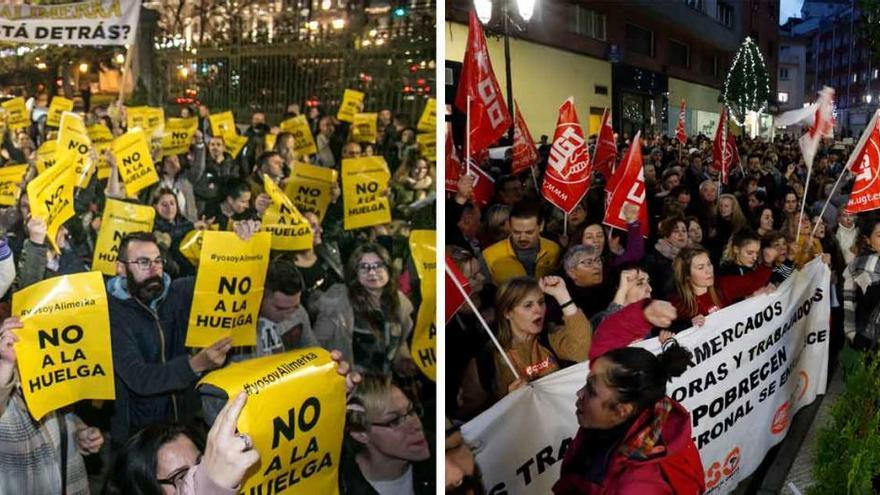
[606, 149]
[823, 125]
[629, 189]
[680, 132]
[524, 152]
[454, 297]
[489, 116]
[568, 169]
[865, 195]
[484, 187]
[724, 148]
[454, 167]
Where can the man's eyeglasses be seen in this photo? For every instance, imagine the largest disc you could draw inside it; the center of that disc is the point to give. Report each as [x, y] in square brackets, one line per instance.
[145, 263]
[590, 261]
[399, 419]
[371, 267]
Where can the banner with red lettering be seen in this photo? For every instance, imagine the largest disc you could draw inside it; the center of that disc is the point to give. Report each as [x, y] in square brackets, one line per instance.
[680, 132]
[568, 169]
[629, 192]
[524, 152]
[454, 167]
[605, 153]
[489, 116]
[865, 195]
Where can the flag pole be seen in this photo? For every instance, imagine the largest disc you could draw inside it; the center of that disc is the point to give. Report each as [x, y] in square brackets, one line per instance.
[485, 325]
[797, 235]
[535, 180]
[468, 140]
[565, 224]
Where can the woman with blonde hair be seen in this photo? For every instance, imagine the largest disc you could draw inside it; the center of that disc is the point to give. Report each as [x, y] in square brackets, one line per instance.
[528, 345]
[730, 219]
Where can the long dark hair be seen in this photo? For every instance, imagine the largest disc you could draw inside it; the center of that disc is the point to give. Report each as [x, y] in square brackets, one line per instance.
[866, 226]
[640, 377]
[134, 471]
[360, 298]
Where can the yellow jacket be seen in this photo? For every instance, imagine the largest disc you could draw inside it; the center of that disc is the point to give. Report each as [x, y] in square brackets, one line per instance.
[503, 264]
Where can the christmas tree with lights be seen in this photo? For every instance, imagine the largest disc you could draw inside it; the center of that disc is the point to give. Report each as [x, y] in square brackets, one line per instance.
[747, 85]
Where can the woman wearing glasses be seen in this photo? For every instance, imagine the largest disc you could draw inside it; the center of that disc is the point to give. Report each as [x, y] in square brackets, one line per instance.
[386, 451]
[366, 317]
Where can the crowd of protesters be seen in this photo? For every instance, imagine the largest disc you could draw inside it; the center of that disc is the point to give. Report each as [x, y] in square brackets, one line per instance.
[559, 289]
[354, 293]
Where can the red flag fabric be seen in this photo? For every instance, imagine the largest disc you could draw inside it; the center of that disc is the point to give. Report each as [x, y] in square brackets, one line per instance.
[524, 152]
[823, 126]
[724, 149]
[680, 132]
[865, 195]
[629, 190]
[568, 169]
[489, 116]
[605, 153]
[484, 187]
[454, 167]
[454, 297]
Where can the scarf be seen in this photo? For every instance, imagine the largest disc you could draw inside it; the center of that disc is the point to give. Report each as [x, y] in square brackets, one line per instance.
[646, 443]
[666, 248]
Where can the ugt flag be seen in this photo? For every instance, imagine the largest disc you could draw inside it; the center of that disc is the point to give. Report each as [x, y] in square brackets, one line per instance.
[865, 195]
[568, 168]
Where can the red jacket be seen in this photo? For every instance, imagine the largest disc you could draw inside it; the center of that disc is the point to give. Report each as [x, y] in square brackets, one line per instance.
[730, 289]
[673, 469]
[620, 329]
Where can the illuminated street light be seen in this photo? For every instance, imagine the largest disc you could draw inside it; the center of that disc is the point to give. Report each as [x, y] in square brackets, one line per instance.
[484, 10]
[338, 23]
[83, 68]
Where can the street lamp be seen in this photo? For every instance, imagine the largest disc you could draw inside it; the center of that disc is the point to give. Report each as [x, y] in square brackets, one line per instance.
[484, 13]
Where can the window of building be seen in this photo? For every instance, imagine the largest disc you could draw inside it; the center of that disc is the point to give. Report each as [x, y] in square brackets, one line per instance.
[639, 40]
[710, 65]
[855, 77]
[724, 14]
[876, 73]
[587, 22]
[695, 4]
[783, 73]
[678, 54]
[782, 97]
[783, 50]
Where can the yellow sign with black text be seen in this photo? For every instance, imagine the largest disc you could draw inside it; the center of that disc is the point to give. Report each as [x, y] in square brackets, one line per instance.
[311, 188]
[59, 106]
[136, 170]
[229, 289]
[423, 246]
[223, 124]
[295, 416]
[269, 141]
[11, 178]
[178, 136]
[352, 102]
[17, 115]
[100, 133]
[428, 120]
[136, 117]
[64, 351]
[120, 218]
[234, 144]
[73, 139]
[303, 140]
[155, 122]
[290, 230]
[428, 146]
[365, 192]
[45, 157]
[191, 245]
[51, 196]
[102, 139]
[364, 129]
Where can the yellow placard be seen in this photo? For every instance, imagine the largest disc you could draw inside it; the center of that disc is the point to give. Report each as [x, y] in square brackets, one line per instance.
[269, 141]
[223, 124]
[365, 192]
[178, 136]
[423, 246]
[155, 122]
[51, 196]
[234, 144]
[428, 120]
[132, 153]
[73, 139]
[290, 230]
[428, 146]
[17, 116]
[64, 351]
[311, 188]
[352, 101]
[45, 156]
[229, 289]
[295, 416]
[191, 246]
[103, 167]
[136, 117]
[120, 218]
[303, 140]
[99, 133]
[59, 105]
[11, 177]
[364, 129]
